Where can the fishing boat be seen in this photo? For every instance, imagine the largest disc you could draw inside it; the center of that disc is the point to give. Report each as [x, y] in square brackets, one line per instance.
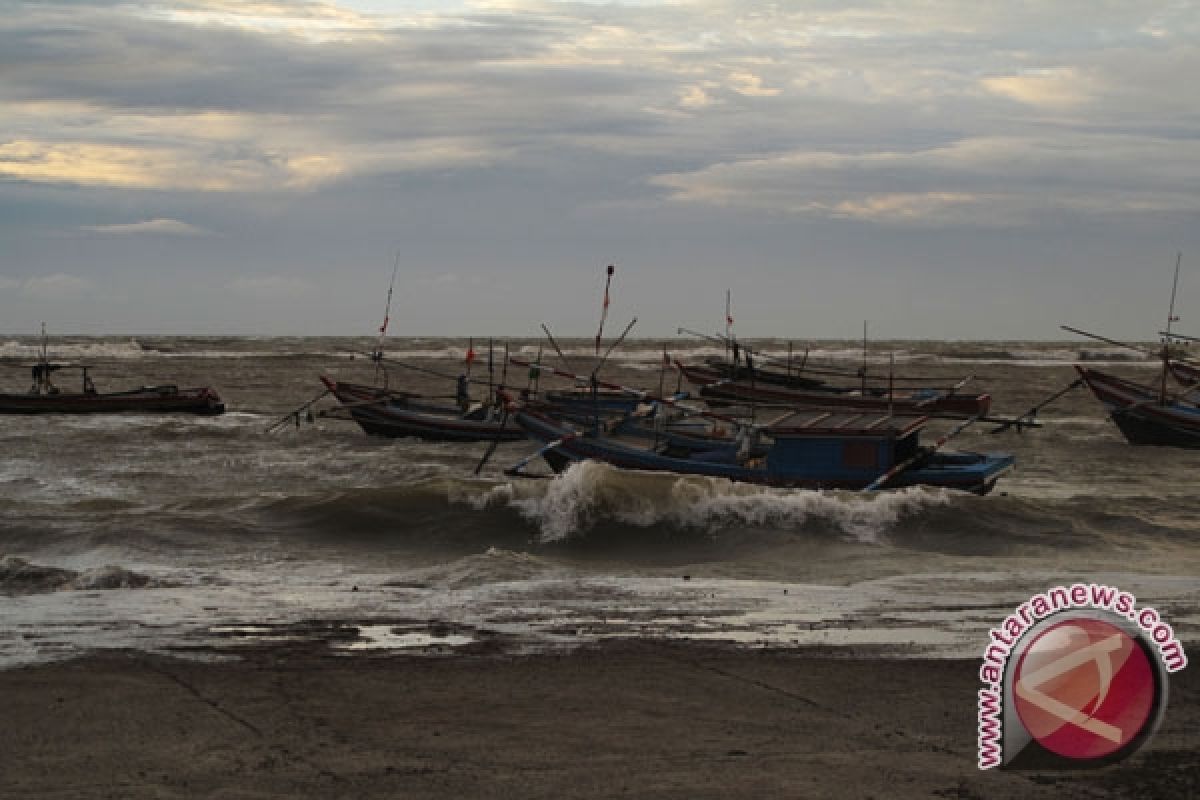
[810, 448]
[722, 370]
[746, 389]
[46, 397]
[1150, 414]
[1145, 415]
[393, 413]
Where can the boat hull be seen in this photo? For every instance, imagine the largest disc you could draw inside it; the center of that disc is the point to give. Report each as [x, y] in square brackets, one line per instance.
[1139, 413]
[565, 444]
[381, 412]
[156, 400]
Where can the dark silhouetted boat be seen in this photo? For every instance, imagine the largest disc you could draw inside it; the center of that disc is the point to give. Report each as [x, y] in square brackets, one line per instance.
[393, 413]
[714, 386]
[46, 397]
[1145, 414]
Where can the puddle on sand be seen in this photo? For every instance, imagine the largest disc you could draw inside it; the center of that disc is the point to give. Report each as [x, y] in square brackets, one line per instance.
[388, 637]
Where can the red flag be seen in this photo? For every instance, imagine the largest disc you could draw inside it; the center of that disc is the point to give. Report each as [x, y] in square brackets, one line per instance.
[728, 320]
[383, 327]
[470, 355]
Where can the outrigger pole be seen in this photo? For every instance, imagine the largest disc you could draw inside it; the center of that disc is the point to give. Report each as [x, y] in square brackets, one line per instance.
[1020, 423]
[640, 394]
[557, 349]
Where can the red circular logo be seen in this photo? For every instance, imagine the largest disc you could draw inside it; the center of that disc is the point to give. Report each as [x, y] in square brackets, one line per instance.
[1084, 688]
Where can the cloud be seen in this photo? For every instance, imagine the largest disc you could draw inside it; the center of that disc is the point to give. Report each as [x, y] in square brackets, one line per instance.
[159, 227]
[984, 181]
[473, 131]
[56, 286]
[1055, 88]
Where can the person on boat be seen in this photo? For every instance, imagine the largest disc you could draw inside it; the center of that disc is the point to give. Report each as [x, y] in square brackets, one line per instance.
[41, 379]
[462, 393]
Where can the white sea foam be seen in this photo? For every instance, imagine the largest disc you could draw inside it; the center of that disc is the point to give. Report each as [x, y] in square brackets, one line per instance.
[75, 351]
[590, 492]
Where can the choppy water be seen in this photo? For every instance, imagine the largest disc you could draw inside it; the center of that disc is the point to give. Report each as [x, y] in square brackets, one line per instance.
[169, 532]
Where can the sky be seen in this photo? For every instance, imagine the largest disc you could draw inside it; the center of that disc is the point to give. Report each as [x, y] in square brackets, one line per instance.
[942, 170]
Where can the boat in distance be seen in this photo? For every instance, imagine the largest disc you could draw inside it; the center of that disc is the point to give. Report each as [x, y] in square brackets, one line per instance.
[810, 449]
[716, 388]
[45, 397]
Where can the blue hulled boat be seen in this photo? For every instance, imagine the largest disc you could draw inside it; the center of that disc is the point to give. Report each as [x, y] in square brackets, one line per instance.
[810, 448]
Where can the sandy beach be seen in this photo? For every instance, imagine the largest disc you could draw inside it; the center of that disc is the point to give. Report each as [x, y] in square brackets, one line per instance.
[636, 719]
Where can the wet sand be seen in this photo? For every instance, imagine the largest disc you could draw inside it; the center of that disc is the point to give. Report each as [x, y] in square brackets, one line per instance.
[638, 719]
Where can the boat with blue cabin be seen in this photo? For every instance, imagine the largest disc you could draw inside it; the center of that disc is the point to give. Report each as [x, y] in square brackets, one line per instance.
[813, 448]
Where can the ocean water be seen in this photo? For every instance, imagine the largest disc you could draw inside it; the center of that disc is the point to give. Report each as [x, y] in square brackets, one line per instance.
[191, 535]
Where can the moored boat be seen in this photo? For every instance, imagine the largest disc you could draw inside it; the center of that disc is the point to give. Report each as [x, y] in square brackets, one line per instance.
[715, 388]
[814, 449]
[389, 412]
[1145, 415]
[45, 397]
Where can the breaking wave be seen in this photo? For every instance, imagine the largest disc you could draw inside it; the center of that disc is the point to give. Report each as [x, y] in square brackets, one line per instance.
[591, 492]
[18, 576]
[87, 350]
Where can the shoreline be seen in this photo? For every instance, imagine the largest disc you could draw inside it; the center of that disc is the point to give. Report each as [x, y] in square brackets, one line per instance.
[624, 718]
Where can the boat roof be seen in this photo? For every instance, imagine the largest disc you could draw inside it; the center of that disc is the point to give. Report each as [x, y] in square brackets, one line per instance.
[845, 422]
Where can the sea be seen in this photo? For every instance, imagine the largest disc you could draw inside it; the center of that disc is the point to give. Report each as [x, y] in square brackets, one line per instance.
[202, 536]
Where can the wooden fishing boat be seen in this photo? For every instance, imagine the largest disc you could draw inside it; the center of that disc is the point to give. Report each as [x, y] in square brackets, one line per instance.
[747, 390]
[1149, 414]
[45, 397]
[722, 370]
[813, 449]
[389, 412]
[1146, 415]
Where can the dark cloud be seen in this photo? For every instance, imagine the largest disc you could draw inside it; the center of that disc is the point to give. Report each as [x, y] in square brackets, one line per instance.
[519, 147]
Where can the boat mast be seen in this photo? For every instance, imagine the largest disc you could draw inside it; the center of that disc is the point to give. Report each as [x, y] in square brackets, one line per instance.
[43, 381]
[1166, 348]
[377, 356]
[730, 356]
[604, 306]
[864, 362]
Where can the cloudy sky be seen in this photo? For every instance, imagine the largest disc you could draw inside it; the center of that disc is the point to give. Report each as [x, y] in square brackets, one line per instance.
[942, 169]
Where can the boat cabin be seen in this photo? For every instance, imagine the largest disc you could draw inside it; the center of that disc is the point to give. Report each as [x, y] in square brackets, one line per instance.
[43, 382]
[841, 444]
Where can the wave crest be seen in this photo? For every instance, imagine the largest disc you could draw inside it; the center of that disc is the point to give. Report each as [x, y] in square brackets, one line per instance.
[591, 492]
[18, 576]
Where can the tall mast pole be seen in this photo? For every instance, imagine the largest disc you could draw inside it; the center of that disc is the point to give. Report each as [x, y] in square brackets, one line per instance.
[1166, 348]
